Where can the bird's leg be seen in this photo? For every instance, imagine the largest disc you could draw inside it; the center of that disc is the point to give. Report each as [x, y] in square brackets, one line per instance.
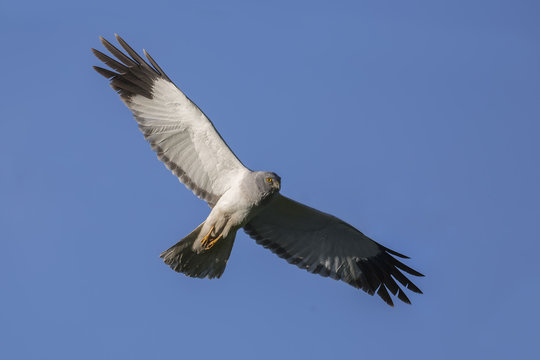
[213, 242]
[207, 242]
[206, 239]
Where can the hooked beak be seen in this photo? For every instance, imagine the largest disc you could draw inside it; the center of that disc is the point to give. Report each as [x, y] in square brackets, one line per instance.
[276, 184]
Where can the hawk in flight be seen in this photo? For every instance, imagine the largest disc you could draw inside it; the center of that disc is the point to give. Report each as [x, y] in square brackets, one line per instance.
[190, 146]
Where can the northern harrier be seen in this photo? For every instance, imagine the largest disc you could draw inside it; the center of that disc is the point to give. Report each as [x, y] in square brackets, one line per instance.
[189, 145]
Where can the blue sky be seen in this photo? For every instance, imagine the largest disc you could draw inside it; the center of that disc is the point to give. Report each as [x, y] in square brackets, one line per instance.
[415, 121]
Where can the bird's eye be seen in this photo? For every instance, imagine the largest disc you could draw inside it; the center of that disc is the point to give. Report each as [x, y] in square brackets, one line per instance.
[268, 180]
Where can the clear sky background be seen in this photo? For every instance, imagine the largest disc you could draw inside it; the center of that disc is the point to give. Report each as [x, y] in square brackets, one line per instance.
[416, 121]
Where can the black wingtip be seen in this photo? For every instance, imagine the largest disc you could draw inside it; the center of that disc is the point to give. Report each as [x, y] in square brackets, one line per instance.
[104, 72]
[406, 268]
[413, 288]
[383, 293]
[401, 296]
[395, 253]
[118, 38]
[133, 75]
[132, 53]
[156, 66]
[96, 52]
[103, 40]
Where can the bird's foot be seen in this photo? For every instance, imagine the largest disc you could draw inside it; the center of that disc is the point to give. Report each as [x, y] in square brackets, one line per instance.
[208, 242]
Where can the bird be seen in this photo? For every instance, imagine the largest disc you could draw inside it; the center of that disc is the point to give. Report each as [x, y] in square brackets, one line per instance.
[189, 145]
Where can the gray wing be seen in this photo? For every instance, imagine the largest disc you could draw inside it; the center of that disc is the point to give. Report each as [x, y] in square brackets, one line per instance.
[325, 245]
[178, 131]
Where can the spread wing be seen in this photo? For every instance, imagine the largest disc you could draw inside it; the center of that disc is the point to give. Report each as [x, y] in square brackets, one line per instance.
[178, 131]
[325, 245]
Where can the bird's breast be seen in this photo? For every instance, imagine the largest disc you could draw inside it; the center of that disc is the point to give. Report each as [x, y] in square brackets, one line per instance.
[240, 203]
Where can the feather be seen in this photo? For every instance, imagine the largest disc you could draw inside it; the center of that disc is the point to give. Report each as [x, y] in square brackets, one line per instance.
[322, 242]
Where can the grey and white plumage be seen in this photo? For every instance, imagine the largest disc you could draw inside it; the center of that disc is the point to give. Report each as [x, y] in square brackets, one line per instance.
[190, 146]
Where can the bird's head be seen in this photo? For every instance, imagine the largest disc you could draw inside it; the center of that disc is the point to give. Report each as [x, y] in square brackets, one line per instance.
[269, 182]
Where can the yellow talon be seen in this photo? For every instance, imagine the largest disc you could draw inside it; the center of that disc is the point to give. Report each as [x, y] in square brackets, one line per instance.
[208, 242]
[213, 242]
[205, 240]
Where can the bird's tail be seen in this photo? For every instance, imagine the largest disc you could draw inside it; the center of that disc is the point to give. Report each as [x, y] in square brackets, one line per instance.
[187, 258]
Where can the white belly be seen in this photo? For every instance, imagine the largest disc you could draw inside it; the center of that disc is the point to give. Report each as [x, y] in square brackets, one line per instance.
[232, 211]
